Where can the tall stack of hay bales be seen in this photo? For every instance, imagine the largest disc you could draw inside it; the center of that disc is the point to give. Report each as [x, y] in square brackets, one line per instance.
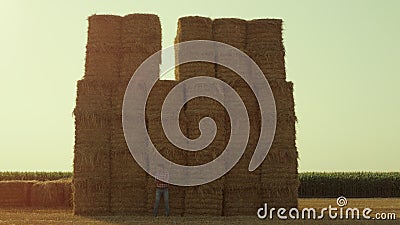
[237, 199]
[106, 177]
[204, 199]
[164, 146]
[140, 38]
[279, 177]
[93, 116]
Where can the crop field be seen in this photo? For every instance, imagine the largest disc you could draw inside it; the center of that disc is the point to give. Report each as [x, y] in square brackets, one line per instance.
[34, 216]
[39, 176]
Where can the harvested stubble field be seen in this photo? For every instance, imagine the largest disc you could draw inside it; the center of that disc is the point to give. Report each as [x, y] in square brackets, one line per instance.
[33, 216]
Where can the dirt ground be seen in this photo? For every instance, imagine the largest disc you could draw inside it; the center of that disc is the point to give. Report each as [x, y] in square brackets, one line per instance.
[36, 216]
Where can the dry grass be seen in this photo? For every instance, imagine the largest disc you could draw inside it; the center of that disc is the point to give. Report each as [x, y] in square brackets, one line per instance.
[29, 216]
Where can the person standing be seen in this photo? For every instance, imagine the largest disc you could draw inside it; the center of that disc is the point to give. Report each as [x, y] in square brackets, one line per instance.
[161, 189]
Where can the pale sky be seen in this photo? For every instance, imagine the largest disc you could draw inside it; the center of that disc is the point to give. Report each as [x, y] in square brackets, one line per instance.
[343, 57]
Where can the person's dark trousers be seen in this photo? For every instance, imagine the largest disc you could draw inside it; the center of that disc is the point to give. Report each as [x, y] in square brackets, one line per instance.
[159, 192]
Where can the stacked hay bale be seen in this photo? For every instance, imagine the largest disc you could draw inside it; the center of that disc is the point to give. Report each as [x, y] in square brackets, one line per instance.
[279, 178]
[189, 29]
[140, 38]
[52, 194]
[15, 193]
[265, 46]
[103, 47]
[164, 146]
[92, 116]
[237, 199]
[204, 199]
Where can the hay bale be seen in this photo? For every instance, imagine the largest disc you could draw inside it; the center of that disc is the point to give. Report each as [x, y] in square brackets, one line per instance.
[281, 193]
[140, 38]
[242, 201]
[91, 160]
[91, 196]
[15, 193]
[158, 94]
[52, 194]
[128, 180]
[265, 46]
[232, 32]
[205, 199]
[104, 29]
[105, 65]
[103, 47]
[194, 28]
[141, 29]
[93, 97]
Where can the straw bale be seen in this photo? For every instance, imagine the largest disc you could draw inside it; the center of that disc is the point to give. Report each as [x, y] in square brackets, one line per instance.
[265, 28]
[205, 199]
[242, 201]
[281, 193]
[194, 28]
[140, 37]
[282, 153]
[104, 65]
[227, 75]
[204, 106]
[265, 47]
[104, 29]
[117, 97]
[93, 97]
[52, 194]
[85, 121]
[91, 196]
[206, 155]
[15, 193]
[230, 31]
[140, 29]
[172, 153]
[195, 69]
[271, 64]
[158, 94]
[240, 178]
[125, 168]
[91, 161]
[88, 135]
[94, 88]
[131, 61]
[113, 48]
[194, 116]
[128, 198]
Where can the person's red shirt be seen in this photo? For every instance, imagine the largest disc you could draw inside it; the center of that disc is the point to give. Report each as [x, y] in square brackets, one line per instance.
[162, 176]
